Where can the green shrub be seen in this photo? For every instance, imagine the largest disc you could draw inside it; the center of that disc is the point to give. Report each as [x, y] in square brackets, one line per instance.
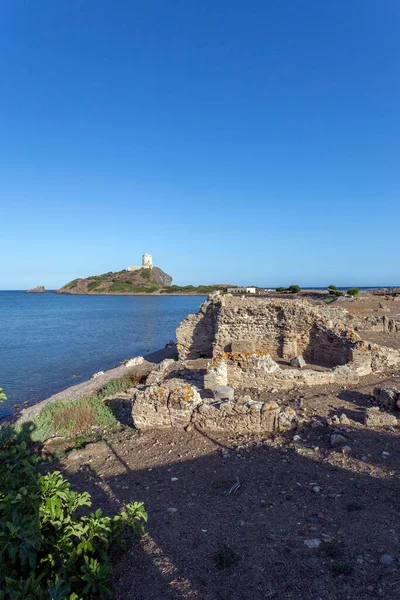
[280, 289]
[71, 417]
[294, 289]
[353, 291]
[146, 273]
[2, 395]
[332, 288]
[92, 285]
[115, 386]
[126, 287]
[47, 550]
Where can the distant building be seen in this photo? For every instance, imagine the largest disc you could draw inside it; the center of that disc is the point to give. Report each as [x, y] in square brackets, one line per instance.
[147, 263]
[242, 290]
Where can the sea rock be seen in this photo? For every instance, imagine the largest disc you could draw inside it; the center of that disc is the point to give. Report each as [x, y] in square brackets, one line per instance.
[40, 289]
[298, 362]
[374, 417]
[133, 362]
[387, 397]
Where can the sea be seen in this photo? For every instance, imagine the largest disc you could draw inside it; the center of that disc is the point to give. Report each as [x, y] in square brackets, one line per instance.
[49, 342]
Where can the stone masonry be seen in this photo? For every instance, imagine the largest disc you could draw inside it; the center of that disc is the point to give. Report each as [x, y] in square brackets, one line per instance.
[248, 345]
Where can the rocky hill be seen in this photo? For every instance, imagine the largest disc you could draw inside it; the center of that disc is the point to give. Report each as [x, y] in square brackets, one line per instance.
[145, 281]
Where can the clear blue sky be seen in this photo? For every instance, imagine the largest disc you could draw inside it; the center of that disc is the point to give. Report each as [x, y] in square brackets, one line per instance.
[251, 142]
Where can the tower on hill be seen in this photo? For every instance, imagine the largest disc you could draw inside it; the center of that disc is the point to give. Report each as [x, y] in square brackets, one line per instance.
[147, 263]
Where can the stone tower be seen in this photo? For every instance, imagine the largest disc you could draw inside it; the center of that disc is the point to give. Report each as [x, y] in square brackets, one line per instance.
[147, 261]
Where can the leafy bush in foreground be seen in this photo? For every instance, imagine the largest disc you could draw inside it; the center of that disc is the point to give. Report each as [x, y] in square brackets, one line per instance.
[47, 550]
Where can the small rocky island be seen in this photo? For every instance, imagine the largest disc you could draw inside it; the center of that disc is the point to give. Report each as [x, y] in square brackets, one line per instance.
[143, 279]
[39, 289]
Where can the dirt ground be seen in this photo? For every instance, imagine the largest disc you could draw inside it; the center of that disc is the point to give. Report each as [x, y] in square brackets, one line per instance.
[292, 490]
[295, 491]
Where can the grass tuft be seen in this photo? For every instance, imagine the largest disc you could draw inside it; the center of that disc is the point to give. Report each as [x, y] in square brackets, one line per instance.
[70, 418]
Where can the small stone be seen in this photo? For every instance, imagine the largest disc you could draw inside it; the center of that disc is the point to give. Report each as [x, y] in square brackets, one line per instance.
[385, 454]
[338, 440]
[296, 438]
[344, 420]
[188, 427]
[133, 362]
[74, 456]
[298, 362]
[312, 544]
[96, 375]
[316, 489]
[172, 510]
[386, 560]
[174, 479]
[346, 450]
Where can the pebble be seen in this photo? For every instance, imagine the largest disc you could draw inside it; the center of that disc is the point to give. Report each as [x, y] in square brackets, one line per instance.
[346, 450]
[337, 439]
[385, 454]
[315, 543]
[172, 510]
[386, 560]
[174, 479]
[344, 420]
[316, 489]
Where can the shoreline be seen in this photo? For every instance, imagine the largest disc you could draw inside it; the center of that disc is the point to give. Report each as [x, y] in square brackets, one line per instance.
[92, 385]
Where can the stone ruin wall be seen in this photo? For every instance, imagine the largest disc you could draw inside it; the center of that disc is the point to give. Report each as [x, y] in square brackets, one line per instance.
[245, 337]
[283, 329]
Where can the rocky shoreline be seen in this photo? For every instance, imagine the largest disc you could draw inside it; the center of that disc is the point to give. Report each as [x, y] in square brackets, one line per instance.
[95, 383]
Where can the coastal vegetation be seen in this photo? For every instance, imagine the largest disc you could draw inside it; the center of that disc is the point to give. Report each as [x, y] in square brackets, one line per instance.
[292, 289]
[353, 291]
[140, 281]
[49, 548]
[69, 418]
[192, 289]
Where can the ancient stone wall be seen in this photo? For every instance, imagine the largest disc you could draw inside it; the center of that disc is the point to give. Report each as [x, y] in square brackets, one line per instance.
[282, 328]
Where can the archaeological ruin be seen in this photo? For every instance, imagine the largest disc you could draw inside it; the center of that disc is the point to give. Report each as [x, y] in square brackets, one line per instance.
[234, 350]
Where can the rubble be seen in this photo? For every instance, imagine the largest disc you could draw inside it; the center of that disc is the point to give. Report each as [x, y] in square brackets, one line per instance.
[387, 397]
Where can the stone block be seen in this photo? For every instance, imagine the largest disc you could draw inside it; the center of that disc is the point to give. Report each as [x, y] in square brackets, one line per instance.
[216, 375]
[298, 362]
[238, 347]
[387, 397]
[224, 392]
[373, 417]
[164, 406]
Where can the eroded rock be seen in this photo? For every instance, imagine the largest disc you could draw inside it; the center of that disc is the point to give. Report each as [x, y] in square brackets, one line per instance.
[374, 417]
[387, 397]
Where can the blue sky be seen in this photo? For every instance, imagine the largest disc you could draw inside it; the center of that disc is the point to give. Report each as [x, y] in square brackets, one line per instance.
[248, 142]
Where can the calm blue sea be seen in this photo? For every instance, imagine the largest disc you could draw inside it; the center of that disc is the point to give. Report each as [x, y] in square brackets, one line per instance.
[47, 339]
